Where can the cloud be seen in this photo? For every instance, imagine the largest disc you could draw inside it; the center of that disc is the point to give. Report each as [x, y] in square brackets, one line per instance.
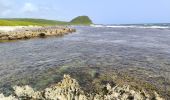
[5, 7]
[29, 8]
[9, 8]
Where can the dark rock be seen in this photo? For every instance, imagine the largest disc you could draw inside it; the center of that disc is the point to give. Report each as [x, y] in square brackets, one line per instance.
[42, 35]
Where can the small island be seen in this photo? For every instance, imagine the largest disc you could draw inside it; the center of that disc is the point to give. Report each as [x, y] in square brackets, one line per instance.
[82, 20]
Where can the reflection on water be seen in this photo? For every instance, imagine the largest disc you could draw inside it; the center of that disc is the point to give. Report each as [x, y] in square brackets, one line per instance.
[143, 53]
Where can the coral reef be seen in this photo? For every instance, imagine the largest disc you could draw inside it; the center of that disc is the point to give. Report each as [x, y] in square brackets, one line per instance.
[69, 89]
[30, 32]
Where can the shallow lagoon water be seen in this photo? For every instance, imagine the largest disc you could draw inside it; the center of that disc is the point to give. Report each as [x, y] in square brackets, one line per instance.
[140, 52]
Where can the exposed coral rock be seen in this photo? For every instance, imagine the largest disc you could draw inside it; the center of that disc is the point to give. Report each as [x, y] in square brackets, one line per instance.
[69, 89]
[123, 93]
[29, 32]
[27, 92]
[2, 97]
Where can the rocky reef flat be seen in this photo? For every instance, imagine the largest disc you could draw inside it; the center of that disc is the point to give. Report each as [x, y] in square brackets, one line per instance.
[26, 32]
[69, 89]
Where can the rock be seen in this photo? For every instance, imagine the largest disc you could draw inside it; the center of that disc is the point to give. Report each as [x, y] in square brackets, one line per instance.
[42, 35]
[69, 89]
[157, 97]
[27, 92]
[26, 33]
[2, 97]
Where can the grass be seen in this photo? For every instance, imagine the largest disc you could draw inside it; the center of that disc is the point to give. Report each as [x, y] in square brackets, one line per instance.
[27, 22]
[82, 20]
[42, 22]
[16, 23]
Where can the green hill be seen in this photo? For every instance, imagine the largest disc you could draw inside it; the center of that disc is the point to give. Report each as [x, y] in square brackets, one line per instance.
[83, 20]
[29, 21]
[15, 23]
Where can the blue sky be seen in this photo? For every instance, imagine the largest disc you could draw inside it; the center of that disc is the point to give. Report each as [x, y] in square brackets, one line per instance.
[100, 11]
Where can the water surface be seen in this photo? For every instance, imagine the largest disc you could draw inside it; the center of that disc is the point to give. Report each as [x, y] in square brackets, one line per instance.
[144, 53]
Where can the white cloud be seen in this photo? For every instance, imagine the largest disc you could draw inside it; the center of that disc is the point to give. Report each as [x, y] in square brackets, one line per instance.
[12, 9]
[8, 8]
[29, 8]
[5, 7]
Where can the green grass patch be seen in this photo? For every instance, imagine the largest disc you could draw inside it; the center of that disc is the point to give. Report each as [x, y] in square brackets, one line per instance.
[4, 22]
[85, 20]
[81, 20]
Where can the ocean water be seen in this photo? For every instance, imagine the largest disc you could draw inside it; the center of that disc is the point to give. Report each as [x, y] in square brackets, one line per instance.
[153, 26]
[142, 52]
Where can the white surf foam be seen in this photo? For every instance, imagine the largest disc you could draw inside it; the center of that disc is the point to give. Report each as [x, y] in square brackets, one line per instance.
[131, 26]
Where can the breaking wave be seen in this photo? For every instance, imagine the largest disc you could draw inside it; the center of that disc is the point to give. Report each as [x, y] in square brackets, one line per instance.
[133, 26]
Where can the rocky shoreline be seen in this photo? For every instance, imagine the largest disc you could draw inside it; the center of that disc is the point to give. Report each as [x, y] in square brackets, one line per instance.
[39, 31]
[69, 89]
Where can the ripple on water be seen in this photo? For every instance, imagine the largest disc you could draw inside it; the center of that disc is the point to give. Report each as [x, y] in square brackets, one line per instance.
[139, 52]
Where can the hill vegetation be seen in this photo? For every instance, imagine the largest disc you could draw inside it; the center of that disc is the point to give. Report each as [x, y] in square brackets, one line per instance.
[29, 21]
[81, 20]
[4, 22]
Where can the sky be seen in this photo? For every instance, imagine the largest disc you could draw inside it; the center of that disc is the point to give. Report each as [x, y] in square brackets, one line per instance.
[100, 11]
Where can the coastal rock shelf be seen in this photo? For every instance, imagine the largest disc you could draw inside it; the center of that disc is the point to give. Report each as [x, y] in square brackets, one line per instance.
[69, 89]
[30, 32]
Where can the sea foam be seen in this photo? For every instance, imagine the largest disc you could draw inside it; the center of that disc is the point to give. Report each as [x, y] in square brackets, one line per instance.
[132, 26]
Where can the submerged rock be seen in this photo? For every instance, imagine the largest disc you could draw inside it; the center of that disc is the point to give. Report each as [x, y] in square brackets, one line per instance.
[69, 89]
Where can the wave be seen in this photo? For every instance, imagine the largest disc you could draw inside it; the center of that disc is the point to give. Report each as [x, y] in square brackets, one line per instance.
[132, 26]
